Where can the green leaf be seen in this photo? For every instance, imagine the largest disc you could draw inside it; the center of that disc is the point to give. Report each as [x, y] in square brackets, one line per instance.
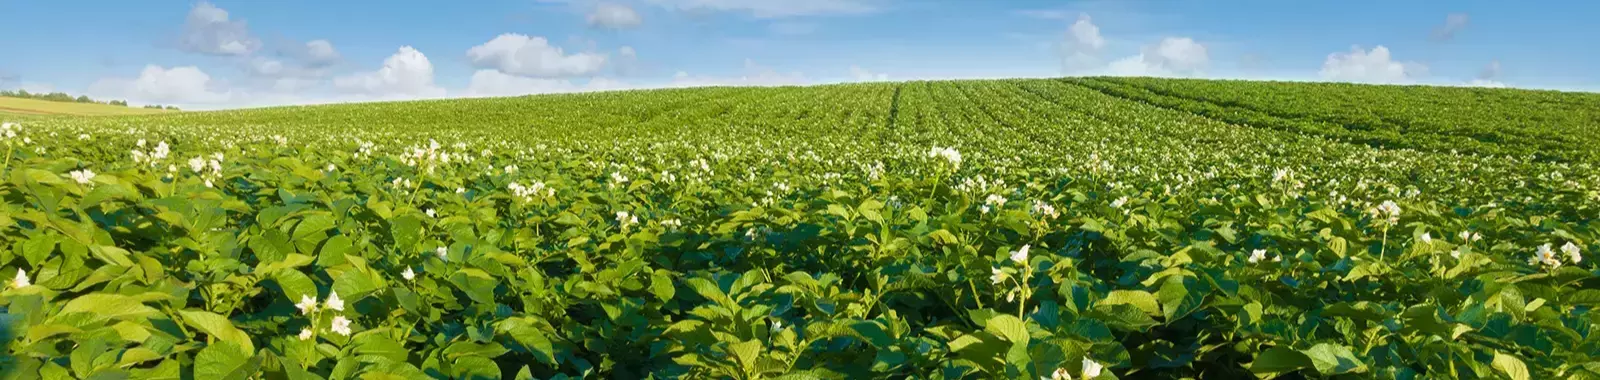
[1280, 359]
[476, 368]
[1137, 298]
[374, 343]
[406, 231]
[873, 332]
[295, 285]
[224, 362]
[746, 353]
[218, 327]
[1333, 359]
[1511, 366]
[477, 284]
[488, 350]
[1009, 327]
[110, 306]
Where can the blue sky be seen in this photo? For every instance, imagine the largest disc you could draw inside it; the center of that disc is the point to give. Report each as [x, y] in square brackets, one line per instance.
[245, 53]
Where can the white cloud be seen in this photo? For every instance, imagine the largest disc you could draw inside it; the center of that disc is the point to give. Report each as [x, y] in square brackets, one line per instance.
[775, 8]
[1374, 66]
[1179, 54]
[614, 16]
[319, 53]
[1173, 56]
[1453, 23]
[178, 85]
[862, 75]
[1085, 35]
[407, 73]
[207, 30]
[1081, 47]
[533, 56]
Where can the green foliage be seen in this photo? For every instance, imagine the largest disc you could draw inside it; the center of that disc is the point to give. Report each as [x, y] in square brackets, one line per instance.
[930, 230]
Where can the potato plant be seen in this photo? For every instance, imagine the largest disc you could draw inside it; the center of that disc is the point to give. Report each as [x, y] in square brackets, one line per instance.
[1056, 229]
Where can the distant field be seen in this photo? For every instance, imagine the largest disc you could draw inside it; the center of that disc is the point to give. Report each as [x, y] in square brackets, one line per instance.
[1084, 228]
[20, 106]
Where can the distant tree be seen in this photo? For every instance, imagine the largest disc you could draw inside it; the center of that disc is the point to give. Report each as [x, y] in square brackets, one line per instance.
[123, 103]
[173, 108]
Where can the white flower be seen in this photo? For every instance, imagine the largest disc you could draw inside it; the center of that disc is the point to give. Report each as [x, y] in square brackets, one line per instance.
[1119, 202]
[1257, 255]
[1544, 255]
[1091, 369]
[305, 334]
[461, 190]
[82, 176]
[409, 274]
[307, 304]
[332, 168]
[625, 219]
[1426, 238]
[1456, 254]
[341, 325]
[430, 212]
[996, 276]
[777, 325]
[334, 302]
[949, 154]
[1572, 252]
[22, 279]
[1059, 374]
[443, 253]
[197, 164]
[995, 200]
[1020, 256]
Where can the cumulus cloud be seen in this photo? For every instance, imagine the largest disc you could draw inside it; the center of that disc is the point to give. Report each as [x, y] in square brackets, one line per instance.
[1370, 66]
[614, 16]
[519, 54]
[1453, 23]
[774, 8]
[158, 85]
[407, 73]
[1084, 34]
[1173, 56]
[207, 30]
[1081, 47]
[862, 75]
[319, 53]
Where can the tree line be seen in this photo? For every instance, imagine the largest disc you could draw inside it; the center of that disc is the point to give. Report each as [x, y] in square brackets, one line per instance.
[64, 97]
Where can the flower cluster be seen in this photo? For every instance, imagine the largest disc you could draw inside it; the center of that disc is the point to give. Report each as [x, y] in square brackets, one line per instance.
[1546, 255]
[153, 157]
[82, 176]
[950, 155]
[528, 192]
[9, 131]
[308, 306]
[993, 201]
[1045, 209]
[208, 169]
[1388, 212]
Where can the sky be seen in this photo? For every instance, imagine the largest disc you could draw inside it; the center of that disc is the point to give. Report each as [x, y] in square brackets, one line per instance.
[223, 54]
